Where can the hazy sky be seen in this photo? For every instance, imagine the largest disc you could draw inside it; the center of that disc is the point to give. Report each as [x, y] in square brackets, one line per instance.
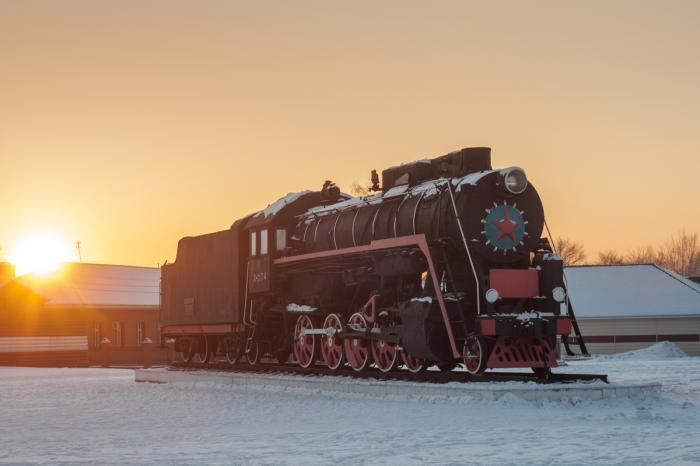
[128, 125]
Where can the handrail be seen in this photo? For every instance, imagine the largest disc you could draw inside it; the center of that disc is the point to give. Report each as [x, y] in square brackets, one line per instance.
[466, 246]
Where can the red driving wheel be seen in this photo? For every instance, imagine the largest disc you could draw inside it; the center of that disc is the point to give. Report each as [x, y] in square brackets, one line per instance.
[357, 350]
[331, 345]
[475, 354]
[412, 363]
[304, 344]
[385, 355]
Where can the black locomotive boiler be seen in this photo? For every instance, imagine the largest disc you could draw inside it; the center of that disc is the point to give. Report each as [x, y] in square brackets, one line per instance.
[443, 264]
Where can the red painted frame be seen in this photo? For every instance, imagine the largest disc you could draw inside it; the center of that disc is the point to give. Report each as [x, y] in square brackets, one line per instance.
[382, 244]
[372, 306]
[515, 283]
[520, 352]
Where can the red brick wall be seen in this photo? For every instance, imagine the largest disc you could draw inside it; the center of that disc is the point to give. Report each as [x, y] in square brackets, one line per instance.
[29, 318]
[45, 359]
[35, 321]
[130, 352]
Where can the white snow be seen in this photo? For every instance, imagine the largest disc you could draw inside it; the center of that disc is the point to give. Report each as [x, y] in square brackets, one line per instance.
[426, 189]
[424, 299]
[291, 307]
[454, 296]
[526, 316]
[551, 257]
[660, 351]
[471, 179]
[101, 416]
[346, 204]
[280, 203]
[396, 191]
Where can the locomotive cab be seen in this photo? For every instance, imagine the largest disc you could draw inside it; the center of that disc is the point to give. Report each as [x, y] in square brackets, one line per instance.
[269, 239]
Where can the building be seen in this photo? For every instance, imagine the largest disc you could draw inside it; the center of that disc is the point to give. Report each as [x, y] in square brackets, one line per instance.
[625, 307]
[62, 318]
[7, 272]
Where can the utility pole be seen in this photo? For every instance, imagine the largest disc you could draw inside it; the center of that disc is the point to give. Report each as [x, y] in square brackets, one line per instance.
[77, 246]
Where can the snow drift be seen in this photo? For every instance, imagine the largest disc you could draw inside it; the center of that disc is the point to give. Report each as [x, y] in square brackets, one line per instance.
[656, 352]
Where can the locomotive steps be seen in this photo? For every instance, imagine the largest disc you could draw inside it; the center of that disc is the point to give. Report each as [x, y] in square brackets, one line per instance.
[315, 384]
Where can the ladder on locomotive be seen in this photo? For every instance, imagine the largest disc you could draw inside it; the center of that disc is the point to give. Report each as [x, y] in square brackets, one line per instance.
[577, 339]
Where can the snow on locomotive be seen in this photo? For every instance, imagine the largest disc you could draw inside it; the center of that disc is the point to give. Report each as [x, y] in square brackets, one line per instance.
[441, 265]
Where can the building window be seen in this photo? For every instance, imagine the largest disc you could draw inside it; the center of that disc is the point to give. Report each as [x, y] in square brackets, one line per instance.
[96, 335]
[253, 243]
[263, 242]
[281, 239]
[140, 333]
[118, 331]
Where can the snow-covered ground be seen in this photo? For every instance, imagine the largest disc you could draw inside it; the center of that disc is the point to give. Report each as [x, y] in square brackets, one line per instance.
[101, 416]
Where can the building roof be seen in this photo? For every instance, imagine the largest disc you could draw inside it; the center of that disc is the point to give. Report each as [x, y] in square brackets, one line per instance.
[97, 285]
[631, 290]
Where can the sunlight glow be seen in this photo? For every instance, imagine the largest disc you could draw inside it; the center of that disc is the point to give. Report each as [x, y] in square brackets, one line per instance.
[40, 252]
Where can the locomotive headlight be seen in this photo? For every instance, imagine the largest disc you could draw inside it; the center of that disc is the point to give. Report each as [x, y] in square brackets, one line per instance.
[559, 294]
[492, 295]
[514, 179]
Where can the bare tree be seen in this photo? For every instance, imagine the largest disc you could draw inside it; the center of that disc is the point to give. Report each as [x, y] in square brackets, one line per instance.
[358, 190]
[642, 255]
[681, 254]
[610, 257]
[571, 251]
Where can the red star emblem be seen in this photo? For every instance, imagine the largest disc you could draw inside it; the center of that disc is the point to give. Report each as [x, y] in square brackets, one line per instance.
[505, 226]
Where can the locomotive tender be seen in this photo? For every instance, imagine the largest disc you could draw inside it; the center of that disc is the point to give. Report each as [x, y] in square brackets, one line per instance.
[443, 264]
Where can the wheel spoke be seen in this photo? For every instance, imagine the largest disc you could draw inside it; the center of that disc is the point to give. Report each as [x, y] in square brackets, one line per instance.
[385, 354]
[232, 346]
[304, 346]
[412, 363]
[356, 350]
[475, 354]
[331, 345]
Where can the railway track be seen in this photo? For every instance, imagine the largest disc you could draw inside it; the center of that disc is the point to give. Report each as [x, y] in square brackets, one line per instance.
[398, 375]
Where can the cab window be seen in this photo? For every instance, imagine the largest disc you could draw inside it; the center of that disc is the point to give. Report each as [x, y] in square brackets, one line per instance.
[253, 243]
[281, 239]
[263, 242]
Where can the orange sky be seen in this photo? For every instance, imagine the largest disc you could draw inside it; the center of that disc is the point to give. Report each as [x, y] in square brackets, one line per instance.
[131, 124]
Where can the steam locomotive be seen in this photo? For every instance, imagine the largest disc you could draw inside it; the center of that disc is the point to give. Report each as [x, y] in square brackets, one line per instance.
[442, 264]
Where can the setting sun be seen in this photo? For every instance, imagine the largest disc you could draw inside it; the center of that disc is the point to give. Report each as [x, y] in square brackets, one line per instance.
[41, 252]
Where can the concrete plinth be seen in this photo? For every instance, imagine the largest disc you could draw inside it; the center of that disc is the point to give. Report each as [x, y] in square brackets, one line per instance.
[531, 391]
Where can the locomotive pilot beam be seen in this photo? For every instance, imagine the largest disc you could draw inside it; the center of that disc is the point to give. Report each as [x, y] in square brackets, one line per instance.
[444, 264]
